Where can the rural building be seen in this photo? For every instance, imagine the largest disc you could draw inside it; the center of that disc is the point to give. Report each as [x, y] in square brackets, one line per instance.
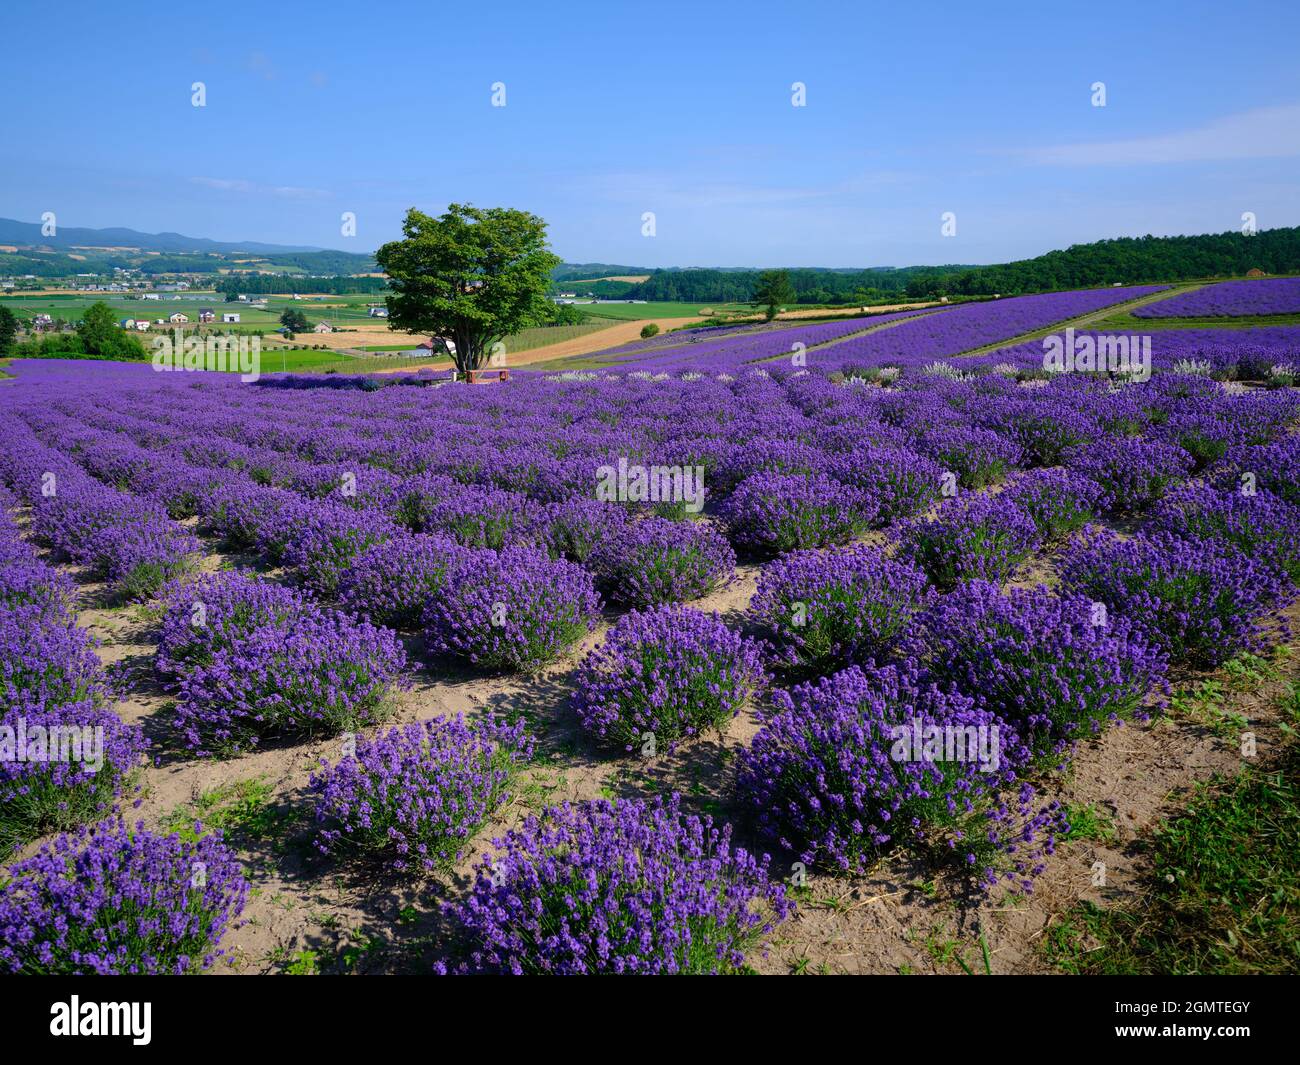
[178, 317]
[1255, 272]
[42, 321]
[206, 314]
[151, 296]
[378, 312]
[127, 323]
[324, 327]
[229, 316]
[141, 325]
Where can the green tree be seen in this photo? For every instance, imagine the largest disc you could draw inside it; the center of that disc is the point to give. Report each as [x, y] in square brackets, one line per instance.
[101, 336]
[294, 321]
[647, 331]
[8, 330]
[472, 276]
[772, 291]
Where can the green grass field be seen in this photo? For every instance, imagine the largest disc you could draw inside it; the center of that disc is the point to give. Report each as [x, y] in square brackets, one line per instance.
[635, 312]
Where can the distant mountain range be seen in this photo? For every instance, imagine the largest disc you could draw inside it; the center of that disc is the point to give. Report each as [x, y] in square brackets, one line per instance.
[29, 234]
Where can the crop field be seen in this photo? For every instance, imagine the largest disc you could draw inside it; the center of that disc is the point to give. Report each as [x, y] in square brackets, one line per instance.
[856, 646]
[635, 312]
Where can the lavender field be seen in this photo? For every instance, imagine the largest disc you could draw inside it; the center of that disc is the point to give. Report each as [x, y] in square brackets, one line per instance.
[1230, 299]
[633, 670]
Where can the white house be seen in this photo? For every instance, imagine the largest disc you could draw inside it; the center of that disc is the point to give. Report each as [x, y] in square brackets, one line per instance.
[42, 321]
[178, 317]
[324, 327]
[150, 296]
[206, 314]
[229, 316]
[142, 325]
[378, 312]
[127, 323]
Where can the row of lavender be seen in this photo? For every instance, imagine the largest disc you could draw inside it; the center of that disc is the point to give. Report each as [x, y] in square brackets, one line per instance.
[794, 511]
[969, 326]
[1230, 299]
[67, 757]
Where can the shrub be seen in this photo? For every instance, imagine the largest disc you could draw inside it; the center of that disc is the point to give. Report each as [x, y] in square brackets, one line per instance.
[1058, 502]
[1198, 600]
[1261, 526]
[649, 330]
[325, 543]
[415, 795]
[576, 528]
[1132, 474]
[978, 457]
[116, 900]
[64, 754]
[618, 887]
[822, 778]
[476, 516]
[774, 513]
[671, 671]
[517, 610]
[218, 611]
[901, 483]
[828, 609]
[391, 583]
[971, 537]
[655, 561]
[1055, 668]
[322, 674]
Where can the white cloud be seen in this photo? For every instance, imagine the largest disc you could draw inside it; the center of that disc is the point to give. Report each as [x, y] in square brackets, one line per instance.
[293, 192]
[1264, 133]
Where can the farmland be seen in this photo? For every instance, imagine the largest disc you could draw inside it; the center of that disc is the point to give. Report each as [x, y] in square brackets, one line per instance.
[341, 633]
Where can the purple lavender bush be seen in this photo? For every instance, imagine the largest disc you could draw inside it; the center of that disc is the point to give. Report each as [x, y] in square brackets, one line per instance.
[972, 537]
[321, 674]
[1200, 601]
[114, 900]
[618, 887]
[328, 541]
[1055, 668]
[823, 610]
[672, 672]
[1272, 467]
[836, 775]
[516, 610]
[1058, 501]
[655, 561]
[414, 796]
[576, 528]
[771, 513]
[477, 516]
[218, 611]
[978, 457]
[64, 754]
[1261, 526]
[901, 483]
[392, 582]
[1132, 474]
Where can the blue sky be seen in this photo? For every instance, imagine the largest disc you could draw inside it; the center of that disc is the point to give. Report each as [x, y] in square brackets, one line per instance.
[680, 109]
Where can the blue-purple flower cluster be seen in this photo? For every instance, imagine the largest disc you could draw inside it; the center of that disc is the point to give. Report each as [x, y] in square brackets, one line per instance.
[120, 900]
[625, 887]
[664, 676]
[413, 796]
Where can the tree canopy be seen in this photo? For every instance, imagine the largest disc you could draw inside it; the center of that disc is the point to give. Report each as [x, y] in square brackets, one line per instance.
[472, 276]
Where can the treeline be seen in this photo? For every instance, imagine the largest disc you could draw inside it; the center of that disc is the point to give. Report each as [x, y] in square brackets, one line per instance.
[264, 284]
[1128, 260]
[1131, 260]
